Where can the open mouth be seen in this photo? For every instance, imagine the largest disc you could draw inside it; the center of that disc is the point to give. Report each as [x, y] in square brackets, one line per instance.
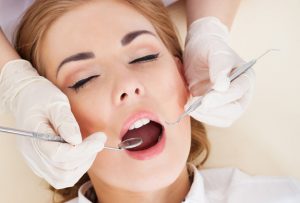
[149, 131]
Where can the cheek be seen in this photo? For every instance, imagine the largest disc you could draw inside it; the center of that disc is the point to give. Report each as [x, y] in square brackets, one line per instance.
[91, 114]
[169, 89]
[173, 83]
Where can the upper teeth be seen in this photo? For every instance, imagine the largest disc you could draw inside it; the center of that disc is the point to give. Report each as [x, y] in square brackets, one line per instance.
[139, 123]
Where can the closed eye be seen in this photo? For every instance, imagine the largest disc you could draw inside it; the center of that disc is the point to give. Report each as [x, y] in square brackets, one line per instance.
[147, 58]
[81, 83]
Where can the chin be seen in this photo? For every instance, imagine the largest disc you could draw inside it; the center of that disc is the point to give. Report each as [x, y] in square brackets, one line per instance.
[141, 176]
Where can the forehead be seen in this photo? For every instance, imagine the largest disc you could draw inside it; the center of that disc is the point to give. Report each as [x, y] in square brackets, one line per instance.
[92, 24]
[105, 19]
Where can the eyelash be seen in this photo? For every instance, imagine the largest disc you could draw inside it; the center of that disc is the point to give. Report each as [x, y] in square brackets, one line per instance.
[81, 83]
[144, 59]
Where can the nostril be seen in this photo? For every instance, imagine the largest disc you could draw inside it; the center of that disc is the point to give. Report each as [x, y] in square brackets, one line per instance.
[123, 96]
[137, 91]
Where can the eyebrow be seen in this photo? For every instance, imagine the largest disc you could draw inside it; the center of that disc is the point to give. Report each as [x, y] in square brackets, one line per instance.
[76, 57]
[127, 39]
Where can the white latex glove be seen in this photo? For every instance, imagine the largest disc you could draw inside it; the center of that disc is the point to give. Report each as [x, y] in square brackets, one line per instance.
[35, 103]
[208, 61]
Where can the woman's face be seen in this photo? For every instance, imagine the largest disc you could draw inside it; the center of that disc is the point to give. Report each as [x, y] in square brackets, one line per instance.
[110, 62]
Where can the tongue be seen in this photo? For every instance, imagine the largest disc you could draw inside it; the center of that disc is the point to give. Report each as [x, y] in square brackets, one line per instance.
[149, 133]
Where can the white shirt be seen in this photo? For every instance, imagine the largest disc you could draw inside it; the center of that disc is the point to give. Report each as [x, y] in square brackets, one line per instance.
[229, 185]
[11, 12]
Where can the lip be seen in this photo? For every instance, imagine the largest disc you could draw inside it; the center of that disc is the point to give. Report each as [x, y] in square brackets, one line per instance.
[150, 152]
[133, 118]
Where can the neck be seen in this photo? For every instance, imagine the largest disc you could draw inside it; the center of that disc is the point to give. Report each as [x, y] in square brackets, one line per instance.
[174, 193]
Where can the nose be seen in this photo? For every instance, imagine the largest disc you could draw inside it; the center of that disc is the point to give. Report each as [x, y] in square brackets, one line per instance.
[128, 89]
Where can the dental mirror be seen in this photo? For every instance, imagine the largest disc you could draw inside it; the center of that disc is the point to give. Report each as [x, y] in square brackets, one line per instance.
[127, 144]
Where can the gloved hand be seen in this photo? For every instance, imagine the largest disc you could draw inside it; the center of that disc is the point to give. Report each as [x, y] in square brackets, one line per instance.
[208, 61]
[35, 103]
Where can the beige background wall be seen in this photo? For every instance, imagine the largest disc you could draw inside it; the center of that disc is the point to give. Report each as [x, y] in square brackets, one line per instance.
[265, 141]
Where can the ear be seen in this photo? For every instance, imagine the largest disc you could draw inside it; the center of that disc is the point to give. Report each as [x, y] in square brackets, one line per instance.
[180, 68]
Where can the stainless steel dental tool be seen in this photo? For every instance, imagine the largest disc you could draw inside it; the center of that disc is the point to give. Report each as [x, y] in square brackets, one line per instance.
[126, 144]
[235, 74]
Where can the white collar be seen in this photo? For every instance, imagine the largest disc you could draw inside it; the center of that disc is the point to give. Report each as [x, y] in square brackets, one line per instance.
[82, 190]
[195, 195]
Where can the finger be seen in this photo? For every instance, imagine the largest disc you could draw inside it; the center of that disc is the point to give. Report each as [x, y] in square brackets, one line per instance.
[223, 112]
[42, 126]
[61, 178]
[222, 116]
[220, 64]
[64, 123]
[73, 165]
[91, 145]
[56, 175]
[216, 99]
[222, 82]
[211, 120]
[63, 152]
[246, 99]
[237, 90]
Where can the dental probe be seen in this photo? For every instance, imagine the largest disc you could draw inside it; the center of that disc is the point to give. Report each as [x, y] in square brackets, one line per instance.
[126, 144]
[234, 75]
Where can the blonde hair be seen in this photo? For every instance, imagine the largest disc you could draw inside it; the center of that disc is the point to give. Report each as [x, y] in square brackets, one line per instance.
[43, 13]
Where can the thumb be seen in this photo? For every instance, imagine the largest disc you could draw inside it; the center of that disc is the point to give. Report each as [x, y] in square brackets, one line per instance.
[91, 145]
[66, 153]
[98, 137]
[221, 64]
[220, 67]
[222, 82]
